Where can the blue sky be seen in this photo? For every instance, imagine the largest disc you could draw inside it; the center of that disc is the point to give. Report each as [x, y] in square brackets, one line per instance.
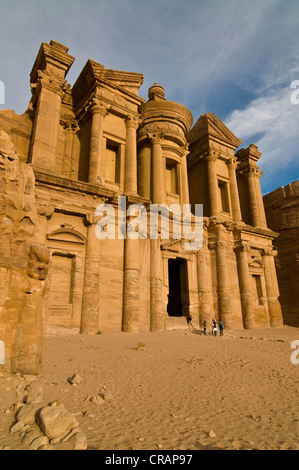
[235, 58]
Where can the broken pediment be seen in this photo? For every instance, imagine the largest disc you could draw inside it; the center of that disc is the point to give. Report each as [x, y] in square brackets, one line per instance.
[209, 126]
[129, 81]
[67, 235]
[109, 85]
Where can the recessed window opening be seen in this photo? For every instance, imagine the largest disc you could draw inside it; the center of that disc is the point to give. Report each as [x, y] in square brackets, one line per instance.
[112, 162]
[171, 177]
[223, 196]
[257, 288]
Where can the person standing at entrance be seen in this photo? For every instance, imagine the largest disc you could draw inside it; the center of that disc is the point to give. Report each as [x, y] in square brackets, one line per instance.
[221, 328]
[189, 321]
[205, 327]
[214, 328]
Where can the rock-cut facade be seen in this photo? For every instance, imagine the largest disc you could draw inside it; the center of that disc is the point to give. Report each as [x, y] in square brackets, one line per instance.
[80, 147]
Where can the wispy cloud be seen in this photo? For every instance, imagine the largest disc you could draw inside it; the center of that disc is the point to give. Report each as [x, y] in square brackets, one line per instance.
[274, 119]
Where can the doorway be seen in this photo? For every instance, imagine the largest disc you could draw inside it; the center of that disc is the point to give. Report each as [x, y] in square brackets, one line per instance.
[177, 284]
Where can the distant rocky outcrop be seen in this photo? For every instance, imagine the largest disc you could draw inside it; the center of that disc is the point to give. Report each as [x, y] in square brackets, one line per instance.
[282, 211]
[23, 265]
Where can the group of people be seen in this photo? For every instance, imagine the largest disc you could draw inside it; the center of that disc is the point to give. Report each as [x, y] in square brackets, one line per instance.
[214, 326]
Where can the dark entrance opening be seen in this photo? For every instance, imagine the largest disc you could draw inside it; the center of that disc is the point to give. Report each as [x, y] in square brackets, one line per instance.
[177, 286]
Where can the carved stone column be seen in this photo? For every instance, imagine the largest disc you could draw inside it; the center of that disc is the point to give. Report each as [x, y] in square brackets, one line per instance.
[46, 125]
[212, 184]
[245, 282]
[131, 156]
[91, 288]
[184, 181]
[247, 159]
[204, 285]
[234, 193]
[157, 317]
[158, 171]
[98, 111]
[48, 85]
[255, 213]
[259, 196]
[224, 302]
[130, 322]
[276, 320]
[70, 129]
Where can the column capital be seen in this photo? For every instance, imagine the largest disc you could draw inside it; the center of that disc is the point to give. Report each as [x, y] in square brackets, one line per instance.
[53, 83]
[96, 106]
[70, 124]
[204, 246]
[132, 121]
[251, 170]
[211, 156]
[241, 246]
[156, 138]
[232, 163]
[216, 244]
[91, 219]
[269, 251]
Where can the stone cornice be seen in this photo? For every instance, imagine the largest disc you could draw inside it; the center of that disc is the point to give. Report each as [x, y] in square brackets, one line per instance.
[53, 181]
[266, 232]
[250, 154]
[209, 127]
[112, 86]
[55, 55]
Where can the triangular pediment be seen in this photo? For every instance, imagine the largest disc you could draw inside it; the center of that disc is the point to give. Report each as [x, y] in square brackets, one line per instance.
[95, 77]
[209, 126]
[127, 80]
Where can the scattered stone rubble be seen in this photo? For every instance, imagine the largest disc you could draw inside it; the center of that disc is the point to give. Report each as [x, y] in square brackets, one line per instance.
[46, 426]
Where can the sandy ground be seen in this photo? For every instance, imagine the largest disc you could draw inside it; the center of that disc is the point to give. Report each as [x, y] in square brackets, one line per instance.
[173, 391]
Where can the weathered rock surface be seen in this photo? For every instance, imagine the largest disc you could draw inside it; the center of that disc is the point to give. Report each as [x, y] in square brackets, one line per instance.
[56, 421]
[39, 442]
[282, 211]
[46, 427]
[27, 414]
[35, 392]
[31, 434]
[75, 379]
[23, 265]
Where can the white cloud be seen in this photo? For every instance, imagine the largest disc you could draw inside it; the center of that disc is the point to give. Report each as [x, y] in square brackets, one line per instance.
[275, 120]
